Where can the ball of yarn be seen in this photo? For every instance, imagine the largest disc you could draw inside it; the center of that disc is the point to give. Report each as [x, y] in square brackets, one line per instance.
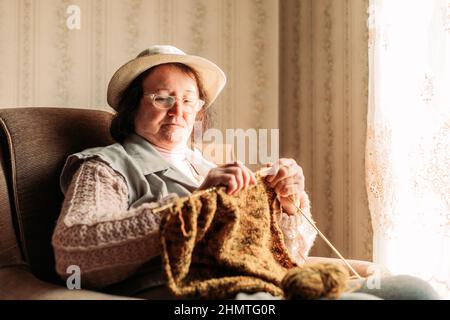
[314, 281]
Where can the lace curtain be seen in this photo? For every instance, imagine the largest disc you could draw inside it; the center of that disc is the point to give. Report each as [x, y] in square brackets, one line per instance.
[408, 137]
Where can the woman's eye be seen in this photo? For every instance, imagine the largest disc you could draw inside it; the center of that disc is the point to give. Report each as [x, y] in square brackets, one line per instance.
[189, 100]
[162, 99]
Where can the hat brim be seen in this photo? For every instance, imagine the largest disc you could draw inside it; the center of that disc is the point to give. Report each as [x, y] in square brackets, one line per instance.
[212, 77]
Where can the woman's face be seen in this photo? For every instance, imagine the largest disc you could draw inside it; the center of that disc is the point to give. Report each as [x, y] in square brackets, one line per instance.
[170, 128]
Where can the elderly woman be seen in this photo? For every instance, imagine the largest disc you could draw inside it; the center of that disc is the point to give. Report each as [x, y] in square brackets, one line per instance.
[107, 226]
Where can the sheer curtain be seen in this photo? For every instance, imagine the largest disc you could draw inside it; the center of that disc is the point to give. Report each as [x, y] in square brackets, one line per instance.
[408, 137]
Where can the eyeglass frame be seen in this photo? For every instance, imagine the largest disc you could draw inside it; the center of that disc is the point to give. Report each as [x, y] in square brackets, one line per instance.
[175, 99]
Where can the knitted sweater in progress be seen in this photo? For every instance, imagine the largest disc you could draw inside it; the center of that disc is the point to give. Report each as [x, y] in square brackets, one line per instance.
[98, 232]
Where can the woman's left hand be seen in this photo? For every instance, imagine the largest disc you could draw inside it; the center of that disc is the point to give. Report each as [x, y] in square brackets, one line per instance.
[288, 181]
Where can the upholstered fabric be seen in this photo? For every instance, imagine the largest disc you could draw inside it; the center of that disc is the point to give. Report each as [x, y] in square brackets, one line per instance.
[9, 248]
[35, 143]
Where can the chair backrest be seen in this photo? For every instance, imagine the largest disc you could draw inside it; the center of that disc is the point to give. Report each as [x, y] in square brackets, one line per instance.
[34, 145]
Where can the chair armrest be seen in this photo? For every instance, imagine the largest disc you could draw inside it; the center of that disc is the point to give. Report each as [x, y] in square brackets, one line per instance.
[17, 283]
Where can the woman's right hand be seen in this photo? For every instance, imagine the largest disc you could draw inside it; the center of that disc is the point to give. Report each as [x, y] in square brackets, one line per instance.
[235, 176]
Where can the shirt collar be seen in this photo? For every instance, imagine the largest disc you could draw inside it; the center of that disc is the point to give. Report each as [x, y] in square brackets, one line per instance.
[144, 154]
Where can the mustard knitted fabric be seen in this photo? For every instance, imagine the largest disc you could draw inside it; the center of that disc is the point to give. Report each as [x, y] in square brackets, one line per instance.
[215, 245]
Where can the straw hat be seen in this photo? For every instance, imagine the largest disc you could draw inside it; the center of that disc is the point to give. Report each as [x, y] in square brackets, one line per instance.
[211, 76]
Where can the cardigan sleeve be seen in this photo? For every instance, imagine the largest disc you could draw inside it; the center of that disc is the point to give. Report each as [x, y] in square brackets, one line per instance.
[298, 233]
[97, 232]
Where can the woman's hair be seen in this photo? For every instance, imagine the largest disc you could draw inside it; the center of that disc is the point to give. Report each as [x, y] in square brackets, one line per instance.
[122, 124]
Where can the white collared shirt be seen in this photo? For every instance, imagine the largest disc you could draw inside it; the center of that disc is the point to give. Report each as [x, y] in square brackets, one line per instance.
[190, 162]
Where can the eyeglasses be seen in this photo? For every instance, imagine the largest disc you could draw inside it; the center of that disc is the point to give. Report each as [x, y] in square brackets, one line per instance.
[166, 102]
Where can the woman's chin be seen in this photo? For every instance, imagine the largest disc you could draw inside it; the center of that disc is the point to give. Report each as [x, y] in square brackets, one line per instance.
[176, 136]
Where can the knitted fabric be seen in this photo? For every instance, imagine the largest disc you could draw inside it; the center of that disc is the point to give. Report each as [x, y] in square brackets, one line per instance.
[216, 245]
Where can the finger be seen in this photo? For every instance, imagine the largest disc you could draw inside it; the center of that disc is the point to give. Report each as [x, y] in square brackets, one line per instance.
[295, 179]
[245, 175]
[237, 172]
[285, 172]
[229, 180]
[285, 191]
[251, 175]
[213, 178]
[283, 162]
[283, 182]
[270, 174]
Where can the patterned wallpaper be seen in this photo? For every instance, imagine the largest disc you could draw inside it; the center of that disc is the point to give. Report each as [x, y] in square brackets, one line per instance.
[300, 65]
[47, 64]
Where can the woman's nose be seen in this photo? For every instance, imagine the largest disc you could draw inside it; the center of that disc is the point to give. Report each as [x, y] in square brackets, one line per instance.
[177, 109]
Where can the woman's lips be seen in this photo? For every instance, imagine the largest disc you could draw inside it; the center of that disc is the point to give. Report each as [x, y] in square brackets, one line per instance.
[173, 125]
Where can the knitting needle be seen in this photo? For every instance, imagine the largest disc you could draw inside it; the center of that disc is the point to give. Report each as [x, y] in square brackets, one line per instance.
[328, 242]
